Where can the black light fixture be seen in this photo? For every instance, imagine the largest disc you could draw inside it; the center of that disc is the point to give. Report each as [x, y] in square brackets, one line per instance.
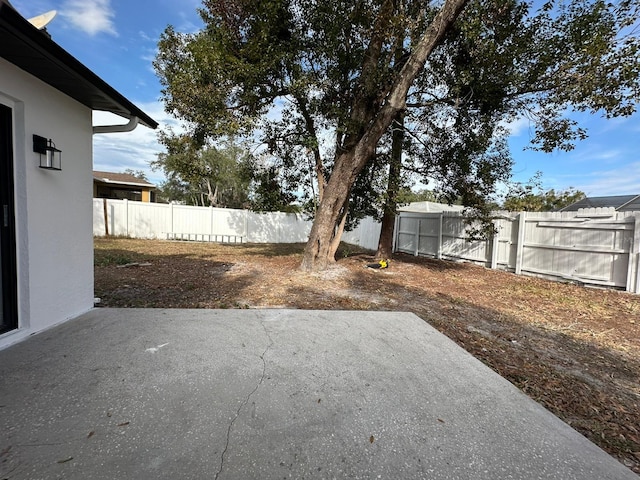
[50, 156]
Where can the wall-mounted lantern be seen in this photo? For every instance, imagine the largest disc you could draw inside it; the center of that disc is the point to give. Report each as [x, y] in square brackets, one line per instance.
[50, 156]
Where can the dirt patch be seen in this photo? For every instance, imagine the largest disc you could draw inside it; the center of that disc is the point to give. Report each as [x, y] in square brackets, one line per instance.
[575, 350]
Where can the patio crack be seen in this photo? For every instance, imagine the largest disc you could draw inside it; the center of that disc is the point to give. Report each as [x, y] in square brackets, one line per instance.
[245, 401]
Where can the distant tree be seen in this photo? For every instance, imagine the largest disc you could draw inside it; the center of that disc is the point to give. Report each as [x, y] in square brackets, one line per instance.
[268, 194]
[406, 196]
[136, 173]
[532, 197]
[209, 176]
[174, 190]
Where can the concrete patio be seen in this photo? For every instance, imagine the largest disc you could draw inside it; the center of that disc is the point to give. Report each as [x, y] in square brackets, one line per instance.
[266, 394]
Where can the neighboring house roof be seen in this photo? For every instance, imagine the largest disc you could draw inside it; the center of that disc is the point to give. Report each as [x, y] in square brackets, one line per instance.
[421, 207]
[120, 179]
[33, 51]
[619, 202]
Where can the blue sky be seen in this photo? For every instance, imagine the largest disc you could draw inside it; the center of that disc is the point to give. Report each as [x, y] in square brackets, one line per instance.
[117, 40]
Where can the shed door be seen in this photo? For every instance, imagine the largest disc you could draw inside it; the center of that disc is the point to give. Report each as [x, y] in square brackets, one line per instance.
[8, 299]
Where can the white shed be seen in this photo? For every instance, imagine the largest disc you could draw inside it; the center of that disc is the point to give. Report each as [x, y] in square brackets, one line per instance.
[46, 182]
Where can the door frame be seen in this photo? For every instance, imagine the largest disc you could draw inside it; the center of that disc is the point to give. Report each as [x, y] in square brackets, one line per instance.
[8, 262]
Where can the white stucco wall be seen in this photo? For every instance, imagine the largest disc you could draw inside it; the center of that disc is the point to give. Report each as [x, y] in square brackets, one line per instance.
[53, 208]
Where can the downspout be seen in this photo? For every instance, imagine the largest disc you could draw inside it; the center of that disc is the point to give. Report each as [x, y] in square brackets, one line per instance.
[128, 127]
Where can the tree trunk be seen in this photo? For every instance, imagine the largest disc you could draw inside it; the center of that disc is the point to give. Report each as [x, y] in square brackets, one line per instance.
[328, 225]
[335, 243]
[212, 195]
[317, 158]
[318, 253]
[385, 242]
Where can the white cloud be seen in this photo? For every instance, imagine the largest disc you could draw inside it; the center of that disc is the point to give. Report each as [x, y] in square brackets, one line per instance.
[615, 124]
[90, 16]
[623, 180]
[143, 35]
[595, 154]
[33, 7]
[187, 23]
[148, 57]
[517, 126]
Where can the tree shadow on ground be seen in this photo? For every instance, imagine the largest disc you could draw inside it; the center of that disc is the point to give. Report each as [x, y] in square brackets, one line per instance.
[429, 263]
[591, 387]
[269, 250]
[126, 281]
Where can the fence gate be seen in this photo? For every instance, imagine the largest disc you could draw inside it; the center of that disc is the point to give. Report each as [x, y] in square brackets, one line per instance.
[597, 247]
[597, 252]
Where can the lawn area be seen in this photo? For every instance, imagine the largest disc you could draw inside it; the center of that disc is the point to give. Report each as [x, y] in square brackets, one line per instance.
[573, 349]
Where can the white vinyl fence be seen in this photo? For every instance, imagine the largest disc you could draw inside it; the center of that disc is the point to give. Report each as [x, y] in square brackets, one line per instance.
[591, 246]
[170, 221]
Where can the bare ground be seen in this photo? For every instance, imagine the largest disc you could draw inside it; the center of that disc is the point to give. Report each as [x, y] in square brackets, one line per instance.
[575, 350]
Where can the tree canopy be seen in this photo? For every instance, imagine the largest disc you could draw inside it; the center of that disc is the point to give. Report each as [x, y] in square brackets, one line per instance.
[319, 84]
[212, 176]
[533, 197]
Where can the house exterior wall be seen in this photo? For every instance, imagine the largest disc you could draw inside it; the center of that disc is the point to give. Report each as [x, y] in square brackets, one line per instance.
[53, 213]
[117, 191]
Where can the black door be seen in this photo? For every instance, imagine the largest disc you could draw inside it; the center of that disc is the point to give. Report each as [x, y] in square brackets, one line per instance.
[8, 300]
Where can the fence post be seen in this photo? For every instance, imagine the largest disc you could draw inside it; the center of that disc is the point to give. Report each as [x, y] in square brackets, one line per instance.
[126, 217]
[246, 225]
[396, 226]
[171, 219]
[210, 219]
[417, 238]
[439, 246]
[633, 272]
[637, 262]
[106, 216]
[112, 216]
[522, 218]
[495, 242]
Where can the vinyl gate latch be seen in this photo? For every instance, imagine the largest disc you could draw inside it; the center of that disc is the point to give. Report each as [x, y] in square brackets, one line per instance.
[5, 215]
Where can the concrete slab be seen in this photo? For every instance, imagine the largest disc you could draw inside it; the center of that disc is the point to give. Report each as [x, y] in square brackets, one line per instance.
[267, 394]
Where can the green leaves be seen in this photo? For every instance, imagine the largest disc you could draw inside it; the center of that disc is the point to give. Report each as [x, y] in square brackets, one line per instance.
[531, 197]
[215, 176]
[221, 79]
[306, 79]
[582, 56]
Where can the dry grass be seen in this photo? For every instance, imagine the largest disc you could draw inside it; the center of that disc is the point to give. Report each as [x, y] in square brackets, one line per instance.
[575, 350]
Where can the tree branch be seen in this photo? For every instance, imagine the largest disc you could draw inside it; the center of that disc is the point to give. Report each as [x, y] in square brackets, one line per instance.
[396, 100]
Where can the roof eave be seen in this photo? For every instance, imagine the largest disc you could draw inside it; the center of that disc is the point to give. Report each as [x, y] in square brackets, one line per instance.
[130, 184]
[627, 203]
[34, 52]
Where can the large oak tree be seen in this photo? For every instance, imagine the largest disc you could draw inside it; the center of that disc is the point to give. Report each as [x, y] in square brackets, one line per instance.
[347, 70]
